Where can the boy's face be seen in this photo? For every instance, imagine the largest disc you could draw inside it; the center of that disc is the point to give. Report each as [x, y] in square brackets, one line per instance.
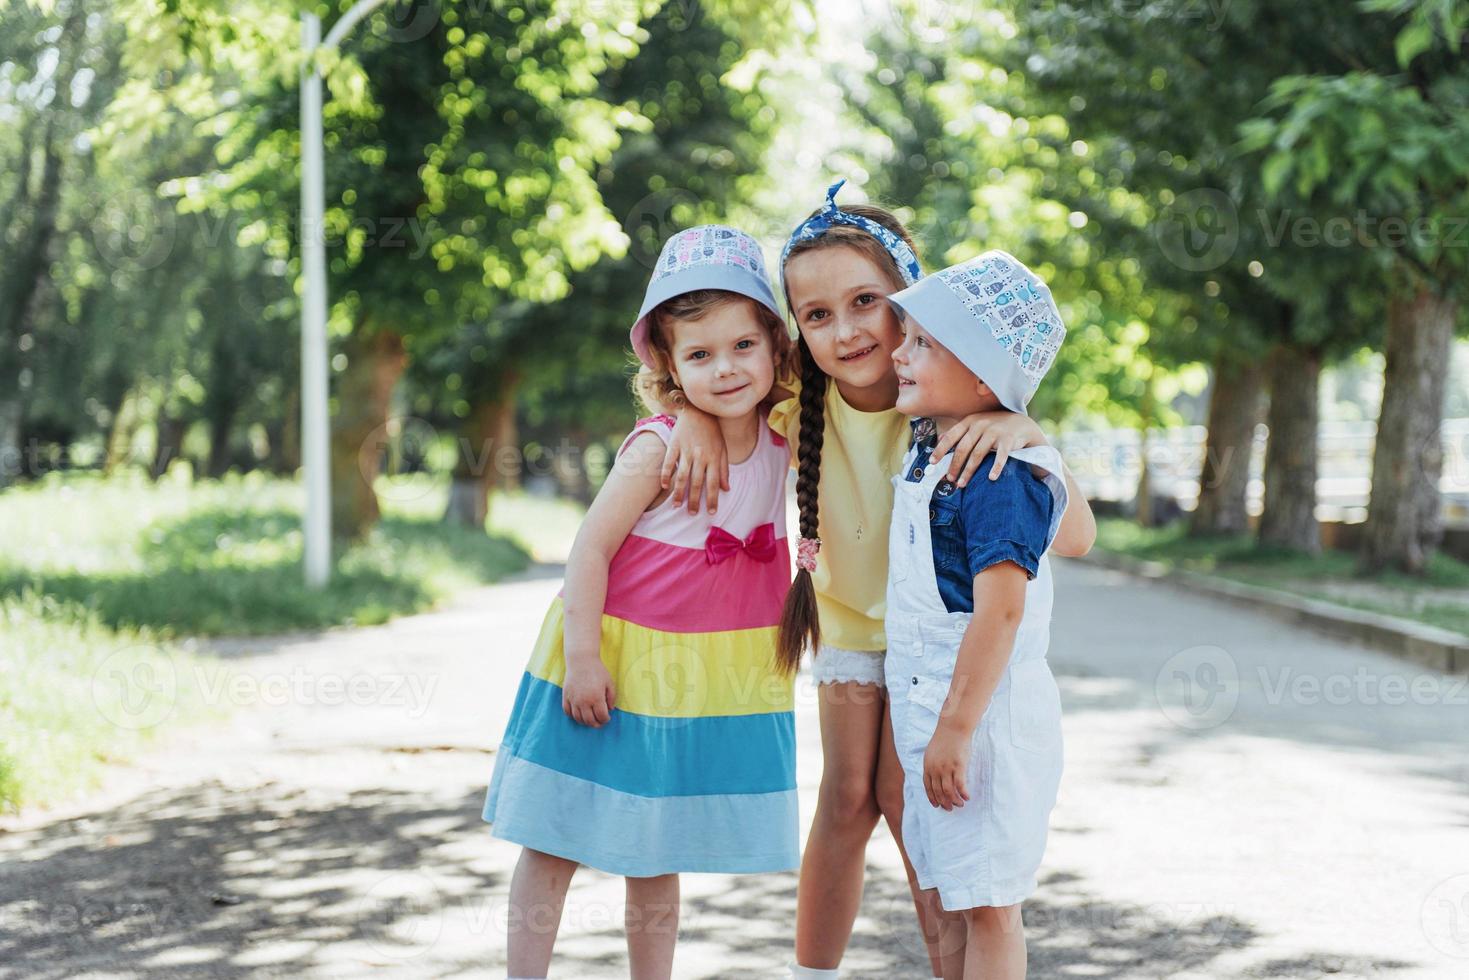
[932, 382]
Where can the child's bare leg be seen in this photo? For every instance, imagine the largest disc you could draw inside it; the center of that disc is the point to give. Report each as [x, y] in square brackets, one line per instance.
[890, 802]
[537, 895]
[829, 892]
[652, 926]
[953, 937]
[996, 946]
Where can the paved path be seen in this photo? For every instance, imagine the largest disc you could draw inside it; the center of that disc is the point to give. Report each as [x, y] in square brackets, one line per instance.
[1242, 799]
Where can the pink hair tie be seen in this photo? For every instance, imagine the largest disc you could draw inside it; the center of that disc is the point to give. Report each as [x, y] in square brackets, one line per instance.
[806, 550]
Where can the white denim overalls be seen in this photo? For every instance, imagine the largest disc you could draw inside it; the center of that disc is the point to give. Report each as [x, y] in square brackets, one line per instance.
[987, 852]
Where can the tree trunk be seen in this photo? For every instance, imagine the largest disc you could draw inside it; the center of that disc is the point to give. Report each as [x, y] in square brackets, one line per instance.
[1144, 495]
[1404, 517]
[1224, 481]
[487, 447]
[375, 362]
[222, 414]
[286, 451]
[1289, 517]
[27, 263]
[13, 464]
[118, 447]
[571, 468]
[24, 275]
[171, 431]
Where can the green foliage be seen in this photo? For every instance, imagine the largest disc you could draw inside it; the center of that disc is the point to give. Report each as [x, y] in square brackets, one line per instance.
[119, 277]
[697, 156]
[1395, 146]
[225, 556]
[979, 160]
[76, 696]
[1435, 598]
[1430, 23]
[459, 155]
[1157, 97]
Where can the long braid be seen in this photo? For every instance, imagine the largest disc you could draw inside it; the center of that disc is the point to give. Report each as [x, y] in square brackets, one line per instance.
[800, 622]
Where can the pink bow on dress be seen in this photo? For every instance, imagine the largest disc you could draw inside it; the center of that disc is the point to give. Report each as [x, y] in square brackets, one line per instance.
[720, 544]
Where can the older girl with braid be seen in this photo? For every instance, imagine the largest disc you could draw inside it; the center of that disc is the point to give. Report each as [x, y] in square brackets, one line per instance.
[838, 269]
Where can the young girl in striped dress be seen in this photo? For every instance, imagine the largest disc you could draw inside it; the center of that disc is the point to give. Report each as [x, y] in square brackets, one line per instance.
[653, 732]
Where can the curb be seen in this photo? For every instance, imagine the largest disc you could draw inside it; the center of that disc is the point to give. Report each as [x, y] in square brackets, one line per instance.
[1428, 646]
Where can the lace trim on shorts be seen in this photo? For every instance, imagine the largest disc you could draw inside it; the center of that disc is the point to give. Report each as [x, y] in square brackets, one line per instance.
[835, 665]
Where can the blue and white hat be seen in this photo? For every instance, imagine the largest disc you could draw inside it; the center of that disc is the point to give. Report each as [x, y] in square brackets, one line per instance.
[704, 257]
[996, 316]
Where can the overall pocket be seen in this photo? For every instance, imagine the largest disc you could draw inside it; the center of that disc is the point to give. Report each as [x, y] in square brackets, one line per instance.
[920, 718]
[1035, 707]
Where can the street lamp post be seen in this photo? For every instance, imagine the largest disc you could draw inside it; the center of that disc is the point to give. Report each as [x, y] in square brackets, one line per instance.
[315, 435]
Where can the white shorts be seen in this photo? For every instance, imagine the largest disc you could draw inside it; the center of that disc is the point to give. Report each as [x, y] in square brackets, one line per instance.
[988, 851]
[835, 665]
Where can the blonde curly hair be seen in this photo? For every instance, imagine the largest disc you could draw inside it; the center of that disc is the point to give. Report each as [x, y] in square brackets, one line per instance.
[656, 386]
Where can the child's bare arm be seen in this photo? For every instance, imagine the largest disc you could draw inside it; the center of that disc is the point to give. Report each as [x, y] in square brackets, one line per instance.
[588, 694]
[696, 460]
[1078, 530]
[984, 654]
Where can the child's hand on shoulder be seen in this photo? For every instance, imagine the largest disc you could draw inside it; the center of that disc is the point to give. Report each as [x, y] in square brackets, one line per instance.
[588, 695]
[945, 765]
[976, 436]
[696, 461]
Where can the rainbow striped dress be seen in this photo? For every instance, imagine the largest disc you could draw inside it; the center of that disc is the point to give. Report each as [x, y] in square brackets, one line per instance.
[696, 771]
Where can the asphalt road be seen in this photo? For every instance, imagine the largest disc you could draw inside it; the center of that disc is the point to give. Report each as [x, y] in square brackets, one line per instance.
[1242, 798]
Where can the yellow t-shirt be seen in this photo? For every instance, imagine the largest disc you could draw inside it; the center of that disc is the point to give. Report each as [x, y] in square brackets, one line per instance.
[860, 453]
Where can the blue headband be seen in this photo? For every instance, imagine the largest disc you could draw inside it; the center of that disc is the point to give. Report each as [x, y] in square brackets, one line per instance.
[815, 225]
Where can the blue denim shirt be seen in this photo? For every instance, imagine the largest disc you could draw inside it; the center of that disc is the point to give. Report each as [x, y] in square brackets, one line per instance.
[983, 524]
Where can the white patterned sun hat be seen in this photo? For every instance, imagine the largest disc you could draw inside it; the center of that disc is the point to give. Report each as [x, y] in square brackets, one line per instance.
[996, 316]
[704, 257]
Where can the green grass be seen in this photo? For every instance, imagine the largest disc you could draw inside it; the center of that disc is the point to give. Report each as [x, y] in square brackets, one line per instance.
[100, 577]
[76, 695]
[225, 556]
[1334, 575]
[543, 528]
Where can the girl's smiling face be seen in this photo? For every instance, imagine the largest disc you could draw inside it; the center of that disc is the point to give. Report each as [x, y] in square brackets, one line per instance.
[838, 296]
[724, 361]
